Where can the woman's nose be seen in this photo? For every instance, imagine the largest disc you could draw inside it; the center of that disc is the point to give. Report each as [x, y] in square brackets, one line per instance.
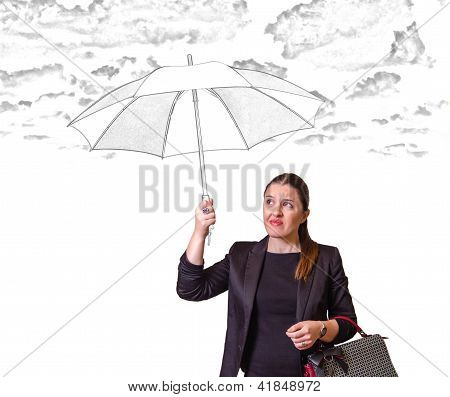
[276, 211]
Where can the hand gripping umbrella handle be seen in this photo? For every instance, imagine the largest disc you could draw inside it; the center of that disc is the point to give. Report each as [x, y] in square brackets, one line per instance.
[211, 227]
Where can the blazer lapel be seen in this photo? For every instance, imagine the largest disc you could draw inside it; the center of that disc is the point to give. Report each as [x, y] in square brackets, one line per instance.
[303, 292]
[252, 272]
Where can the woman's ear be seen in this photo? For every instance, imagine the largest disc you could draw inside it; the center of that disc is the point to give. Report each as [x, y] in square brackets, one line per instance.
[305, 215]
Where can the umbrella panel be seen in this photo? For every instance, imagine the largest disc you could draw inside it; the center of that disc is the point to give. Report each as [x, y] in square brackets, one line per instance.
[141, 126]
[218, 131]
[260, 116]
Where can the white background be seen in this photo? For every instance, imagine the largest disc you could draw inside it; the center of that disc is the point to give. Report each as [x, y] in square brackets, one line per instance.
[70, 227]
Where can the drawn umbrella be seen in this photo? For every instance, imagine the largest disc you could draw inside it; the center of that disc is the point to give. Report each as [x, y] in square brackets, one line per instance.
[240, 108]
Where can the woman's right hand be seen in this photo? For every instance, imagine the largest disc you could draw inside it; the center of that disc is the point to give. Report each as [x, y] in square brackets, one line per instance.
[204, 220]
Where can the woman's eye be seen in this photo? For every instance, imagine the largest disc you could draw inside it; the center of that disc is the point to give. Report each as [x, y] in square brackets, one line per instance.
[268, 201]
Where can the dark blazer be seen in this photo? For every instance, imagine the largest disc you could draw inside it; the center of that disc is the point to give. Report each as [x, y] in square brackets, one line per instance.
[326, 288]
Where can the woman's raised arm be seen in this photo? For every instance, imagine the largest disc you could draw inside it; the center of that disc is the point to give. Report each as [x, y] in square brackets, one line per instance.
[194, 282]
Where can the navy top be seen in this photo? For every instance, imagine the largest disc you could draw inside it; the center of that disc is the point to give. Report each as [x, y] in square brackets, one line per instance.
[268, 350]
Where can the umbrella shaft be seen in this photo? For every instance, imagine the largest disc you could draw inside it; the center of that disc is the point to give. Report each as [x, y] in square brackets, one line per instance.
[199, 140]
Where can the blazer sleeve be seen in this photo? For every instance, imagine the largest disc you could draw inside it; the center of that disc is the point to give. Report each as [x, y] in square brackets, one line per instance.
[195, 283]
[340, 301]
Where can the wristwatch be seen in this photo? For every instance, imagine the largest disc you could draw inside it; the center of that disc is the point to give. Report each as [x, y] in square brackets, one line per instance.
[323, 330]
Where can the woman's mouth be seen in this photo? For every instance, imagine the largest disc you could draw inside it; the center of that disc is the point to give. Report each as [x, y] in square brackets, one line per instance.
[275, 223]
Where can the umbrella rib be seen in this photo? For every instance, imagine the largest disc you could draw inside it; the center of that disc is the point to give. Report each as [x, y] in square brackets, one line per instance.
[168, 122]
[291, 93]
[111, 93]
[112, 121]
[99, 110]
[84, 136]
[112, 104]
[146, 77]
[272, 75]
[208, 150]
[240, 75]
[134, 150]
[272, 89]
[230, 114]
[281, 103]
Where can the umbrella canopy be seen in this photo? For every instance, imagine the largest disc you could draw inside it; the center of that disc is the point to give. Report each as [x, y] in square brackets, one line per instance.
[239, 108]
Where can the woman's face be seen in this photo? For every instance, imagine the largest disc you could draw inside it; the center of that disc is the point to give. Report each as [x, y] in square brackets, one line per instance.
[283, 211]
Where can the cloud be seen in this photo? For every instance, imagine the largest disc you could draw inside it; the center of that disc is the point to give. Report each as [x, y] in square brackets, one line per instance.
[152, 62]
[122, 61]
[325, 109]
[82, 147]
[25, 75]
[137, 74]
[268, 67]
[88, 87]
[423, 111]
[87, 55]
[439, 105]
[342, 126]
[371, 86]
[399, 149]
[36, 137]
[58, 113]
[412, 130]
[112, 23]
[408, 48]
[379, 152]
[380, 121]
[396, 116]
[313, 139]
[331, 33]
[6, 106]
[323, 97]
[109, 156]
[53, 95]
[73, 80]
[106, 70]
[418, 153]
[85, 101]
[352, 138]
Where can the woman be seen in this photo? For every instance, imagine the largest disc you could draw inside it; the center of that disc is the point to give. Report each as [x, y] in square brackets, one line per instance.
[279, 288]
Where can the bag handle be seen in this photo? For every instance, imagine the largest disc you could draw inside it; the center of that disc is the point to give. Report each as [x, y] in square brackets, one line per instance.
[357, 327]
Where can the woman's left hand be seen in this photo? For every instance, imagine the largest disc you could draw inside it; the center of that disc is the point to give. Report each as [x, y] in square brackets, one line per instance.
[304, 334]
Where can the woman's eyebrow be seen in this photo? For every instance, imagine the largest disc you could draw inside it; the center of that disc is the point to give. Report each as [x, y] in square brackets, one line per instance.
[286, 199]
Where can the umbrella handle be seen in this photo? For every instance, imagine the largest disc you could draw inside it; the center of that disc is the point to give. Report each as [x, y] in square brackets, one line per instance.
[211, 227]
[209, 234]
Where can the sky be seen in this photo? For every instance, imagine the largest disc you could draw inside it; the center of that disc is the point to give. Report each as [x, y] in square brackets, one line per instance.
[394, 91]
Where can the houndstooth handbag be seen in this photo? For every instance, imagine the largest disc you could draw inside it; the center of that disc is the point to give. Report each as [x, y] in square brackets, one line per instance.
[367, 356]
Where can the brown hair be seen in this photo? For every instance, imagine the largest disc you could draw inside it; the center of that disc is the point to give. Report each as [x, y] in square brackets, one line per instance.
[310, 249]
